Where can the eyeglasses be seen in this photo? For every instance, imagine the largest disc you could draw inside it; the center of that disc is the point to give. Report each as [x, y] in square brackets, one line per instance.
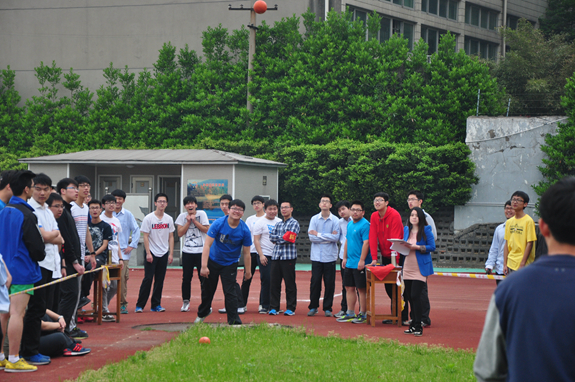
[517, 200]
[325, 201]
[285, 208]
[236, 209]
[379, 200]
[72, 188]
[84, 185]
[412, 200]
[160, 201]
[356, 210]
[58, 206]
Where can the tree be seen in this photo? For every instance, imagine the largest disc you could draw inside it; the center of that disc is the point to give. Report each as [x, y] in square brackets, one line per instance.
[560, 148]
[535, 70]
[559, 18]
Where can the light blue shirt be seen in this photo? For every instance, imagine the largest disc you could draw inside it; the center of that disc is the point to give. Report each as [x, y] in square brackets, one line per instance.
[129, 226]
[324, 245]
[495, 257]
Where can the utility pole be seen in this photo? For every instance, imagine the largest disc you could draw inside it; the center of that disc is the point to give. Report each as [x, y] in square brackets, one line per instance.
[258, 7]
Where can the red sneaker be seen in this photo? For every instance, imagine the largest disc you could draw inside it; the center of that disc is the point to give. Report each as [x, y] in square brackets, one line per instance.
[76, 350]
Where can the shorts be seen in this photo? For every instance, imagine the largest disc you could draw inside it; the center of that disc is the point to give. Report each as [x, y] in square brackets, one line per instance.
[354, 278]
[19, 288]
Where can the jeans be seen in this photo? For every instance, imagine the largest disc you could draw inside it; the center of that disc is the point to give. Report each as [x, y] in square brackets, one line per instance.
[326, 271]
[156, 270]
[228, 274]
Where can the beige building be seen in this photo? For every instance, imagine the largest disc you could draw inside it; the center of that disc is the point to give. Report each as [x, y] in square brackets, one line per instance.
[88, 35]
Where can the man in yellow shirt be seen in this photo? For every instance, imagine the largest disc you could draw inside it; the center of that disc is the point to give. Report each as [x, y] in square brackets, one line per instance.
[520, 236]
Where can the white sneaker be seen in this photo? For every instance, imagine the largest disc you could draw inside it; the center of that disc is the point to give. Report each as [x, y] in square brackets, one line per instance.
[201, 319]
[242, 310]
[185, 306]
[222, 311]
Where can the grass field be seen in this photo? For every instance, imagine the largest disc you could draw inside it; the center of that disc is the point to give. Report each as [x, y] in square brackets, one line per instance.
[264, 353]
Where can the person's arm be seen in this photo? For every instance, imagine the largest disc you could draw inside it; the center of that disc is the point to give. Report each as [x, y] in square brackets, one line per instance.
[50, 237]
[312, 232]
[429, 245]
[102, 248]
[8, 275]
[258, 245]
[171, 243]
[526, 254]
[373, 237]
[332, 236]
[149, 257]
[183, 228]
[201, 225]
[247, 263]
[364, 251]
[344, 260]
[135, 234]
[205, 272]
[57, 320]
[491, 359]
[32, 238]
[276, 236]
[90, 257]
[493, 252]
[505, 254]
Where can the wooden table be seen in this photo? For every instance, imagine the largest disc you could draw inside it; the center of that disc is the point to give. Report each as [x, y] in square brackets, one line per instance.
[115, 272]
[372, 281]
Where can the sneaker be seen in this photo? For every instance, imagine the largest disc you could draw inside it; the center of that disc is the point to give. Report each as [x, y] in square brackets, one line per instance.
[108, 318]
[387, 322]
[3, 363]
[280, 311]
[76, 350]
[273, 312]
[289, 313]
[185, 306]
[359, 319]
[339, 314]
[222, 311]
[406, 323]
[158, 309]
[88, 319]
[139, 310]
[124, 310]
[414, 331]
[426, 324]
[328, 313]
[346, 318]
[312, 312]
[263, 311]
[21, 366]
[201, 319]
[37, 359]
[242, 310]
[83, 302]
[80, 320]
[77, 333]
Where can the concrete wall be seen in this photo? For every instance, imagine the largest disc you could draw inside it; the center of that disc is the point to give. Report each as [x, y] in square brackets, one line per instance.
[54, 171]
[506, 152]
[88, 35]
[249, 182]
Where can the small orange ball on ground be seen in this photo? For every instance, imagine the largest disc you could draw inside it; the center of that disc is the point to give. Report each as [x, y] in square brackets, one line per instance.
[204, 340]
[260, 7]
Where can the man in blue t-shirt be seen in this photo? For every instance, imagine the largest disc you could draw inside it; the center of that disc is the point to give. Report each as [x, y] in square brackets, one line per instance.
[355, 256]
[227, 238]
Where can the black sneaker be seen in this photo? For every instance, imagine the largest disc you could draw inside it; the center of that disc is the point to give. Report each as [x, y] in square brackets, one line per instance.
[414, 331]
[83, 302]
[77, 333]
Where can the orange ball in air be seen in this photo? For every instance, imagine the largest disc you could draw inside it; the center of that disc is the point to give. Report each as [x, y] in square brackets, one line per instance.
[204, 340]
[260, 7]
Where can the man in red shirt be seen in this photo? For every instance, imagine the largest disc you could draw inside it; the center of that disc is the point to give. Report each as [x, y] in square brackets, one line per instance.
[385, 223]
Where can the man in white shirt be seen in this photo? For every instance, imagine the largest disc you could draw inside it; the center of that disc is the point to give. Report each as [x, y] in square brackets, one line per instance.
[109, 204]
[193, 224]
[159, 244]
[265, 248]
[495, 258]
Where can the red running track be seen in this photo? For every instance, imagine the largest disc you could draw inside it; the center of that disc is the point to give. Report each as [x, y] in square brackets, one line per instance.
[458, 308]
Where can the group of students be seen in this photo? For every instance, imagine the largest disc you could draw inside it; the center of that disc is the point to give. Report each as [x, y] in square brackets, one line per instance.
[46, 234]
[268, 242]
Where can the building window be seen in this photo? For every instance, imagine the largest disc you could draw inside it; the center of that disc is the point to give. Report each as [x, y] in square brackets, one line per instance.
[512, 22]
[480, 17]
[388, 26]
[432, 37]
[484, 49]
[441, 8]
[404, 3]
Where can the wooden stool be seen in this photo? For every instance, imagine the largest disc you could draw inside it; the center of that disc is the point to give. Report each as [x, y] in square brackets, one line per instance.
[115, 273]
[395, 297]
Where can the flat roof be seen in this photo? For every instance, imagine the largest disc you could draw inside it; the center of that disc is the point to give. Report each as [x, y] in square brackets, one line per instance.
[164, 156]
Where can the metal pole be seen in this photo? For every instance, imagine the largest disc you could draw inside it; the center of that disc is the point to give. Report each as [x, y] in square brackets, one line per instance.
[504, 16]
[478, 94]
[508, 104]
[252, 52]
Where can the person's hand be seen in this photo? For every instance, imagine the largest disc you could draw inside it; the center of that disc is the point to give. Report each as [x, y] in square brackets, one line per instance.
[121, 264]
[204, 272]
[521, 264]
[170, 258]
[128, 250]
[343, 263]
[360, 265]
[64, 273]
[505, 270]
[373, 263]
[247, 274]
[191, 217]
[93, 261]
[488, 271]
[263, 260]
[312, 232]
[80, 269]
[62, 323]
[149, 258]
